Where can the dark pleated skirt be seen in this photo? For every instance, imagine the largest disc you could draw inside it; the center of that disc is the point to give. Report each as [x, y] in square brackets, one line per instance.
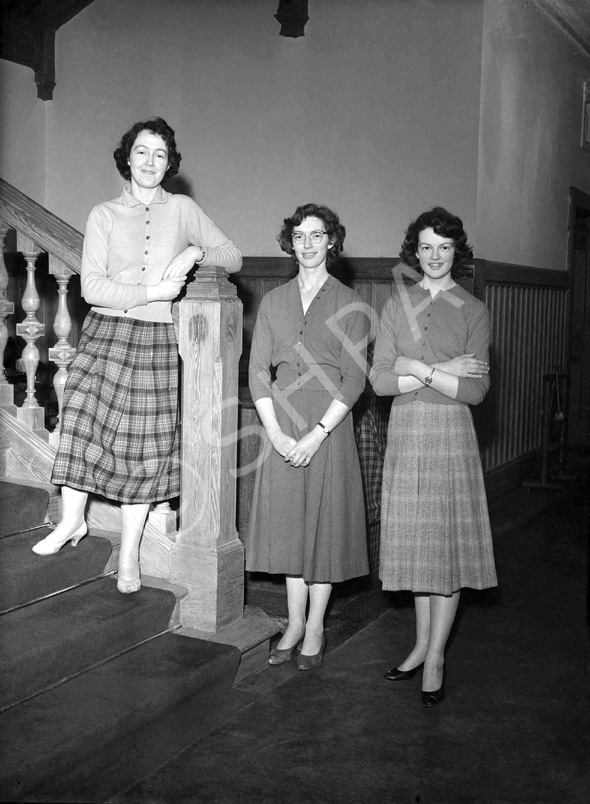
[119, 421]
[435, 528]
[309, 521]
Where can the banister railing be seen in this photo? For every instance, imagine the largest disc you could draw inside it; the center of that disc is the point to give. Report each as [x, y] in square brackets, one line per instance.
[37, 231]
[46, 230]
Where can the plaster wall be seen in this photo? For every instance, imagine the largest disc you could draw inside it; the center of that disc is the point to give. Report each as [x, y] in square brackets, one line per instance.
[529, 154]
[375, 111]
[381, 110]
[22, 131]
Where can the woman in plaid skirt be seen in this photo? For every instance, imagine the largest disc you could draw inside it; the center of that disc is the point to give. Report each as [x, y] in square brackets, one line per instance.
[431, 355]
[119, 434]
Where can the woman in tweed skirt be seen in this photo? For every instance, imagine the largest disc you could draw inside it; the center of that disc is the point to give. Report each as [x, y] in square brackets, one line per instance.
[307, 369]
[119, 434]
[431, 355]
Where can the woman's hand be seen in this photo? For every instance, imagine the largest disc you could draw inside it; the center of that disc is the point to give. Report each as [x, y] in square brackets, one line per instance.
[304, 449]
[166, 290]
[183, 263]
[282, 442]
[465, 366]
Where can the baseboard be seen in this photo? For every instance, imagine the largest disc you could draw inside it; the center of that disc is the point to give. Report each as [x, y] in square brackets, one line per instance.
[509, 476]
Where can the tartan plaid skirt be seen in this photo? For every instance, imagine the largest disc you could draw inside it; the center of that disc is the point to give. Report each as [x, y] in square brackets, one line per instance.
[120, 420]
[435, 528]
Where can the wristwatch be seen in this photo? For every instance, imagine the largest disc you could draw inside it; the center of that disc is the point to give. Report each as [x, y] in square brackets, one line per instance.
[324, 428]
[428, 380]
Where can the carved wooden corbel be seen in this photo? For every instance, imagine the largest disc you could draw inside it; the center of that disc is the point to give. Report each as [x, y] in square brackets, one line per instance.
[292, 14]
[27, 36]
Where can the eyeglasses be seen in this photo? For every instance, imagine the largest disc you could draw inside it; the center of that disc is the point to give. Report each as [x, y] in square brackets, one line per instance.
[300, 237]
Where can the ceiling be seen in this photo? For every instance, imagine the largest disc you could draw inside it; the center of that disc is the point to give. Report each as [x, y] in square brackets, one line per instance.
[572, 16]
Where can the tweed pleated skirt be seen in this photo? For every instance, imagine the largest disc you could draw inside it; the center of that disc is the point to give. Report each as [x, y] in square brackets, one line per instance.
[435, 529]
[119, 432]
[309, 521]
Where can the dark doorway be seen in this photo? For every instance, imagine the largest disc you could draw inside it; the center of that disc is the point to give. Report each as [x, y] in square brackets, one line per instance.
[579, 358]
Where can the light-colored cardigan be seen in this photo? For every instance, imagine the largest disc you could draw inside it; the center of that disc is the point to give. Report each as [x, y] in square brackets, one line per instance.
[128, 245]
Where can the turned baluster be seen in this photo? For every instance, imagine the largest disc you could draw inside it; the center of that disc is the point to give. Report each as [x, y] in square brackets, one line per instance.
[6, 309]
[30, 330]
[62, 353]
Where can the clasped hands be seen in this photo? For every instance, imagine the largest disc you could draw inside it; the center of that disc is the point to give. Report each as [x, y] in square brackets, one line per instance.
[467, 365]
[297, 453]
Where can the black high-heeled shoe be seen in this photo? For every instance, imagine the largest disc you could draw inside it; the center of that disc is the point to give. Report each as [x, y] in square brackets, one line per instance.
[310, 662]
[395, 674]
[284, 655]
[435, 697]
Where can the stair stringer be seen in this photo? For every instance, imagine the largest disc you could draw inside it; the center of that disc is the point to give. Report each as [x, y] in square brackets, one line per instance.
[27, 456]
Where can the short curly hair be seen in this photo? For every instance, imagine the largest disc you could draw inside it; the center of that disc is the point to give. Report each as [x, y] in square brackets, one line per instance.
[335, 230]
[155, 125]
[444, 224]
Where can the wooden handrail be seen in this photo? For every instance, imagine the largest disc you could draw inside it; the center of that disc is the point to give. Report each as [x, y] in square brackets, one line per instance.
[46, 230]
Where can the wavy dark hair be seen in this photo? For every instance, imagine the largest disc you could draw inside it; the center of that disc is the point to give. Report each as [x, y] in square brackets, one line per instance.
[155, 125]
[444, 224]
[335, 230]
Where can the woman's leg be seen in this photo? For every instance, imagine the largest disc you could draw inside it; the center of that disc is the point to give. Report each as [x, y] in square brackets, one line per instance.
[72, 525]
[297, 592]
[133, 519]
[319, 595]
[420, 649]
[73, 504]
[442, 615]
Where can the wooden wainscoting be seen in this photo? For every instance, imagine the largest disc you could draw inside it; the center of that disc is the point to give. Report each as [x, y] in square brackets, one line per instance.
[529, 319]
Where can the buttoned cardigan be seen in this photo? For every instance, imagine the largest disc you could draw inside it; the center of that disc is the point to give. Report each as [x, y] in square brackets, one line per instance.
[128, 245]
[322, 349]
[415, 325]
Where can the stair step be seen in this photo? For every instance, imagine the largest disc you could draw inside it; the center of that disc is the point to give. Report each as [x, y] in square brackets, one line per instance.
[26, 576]
[55, 638]
[22, 506]
[51, 745]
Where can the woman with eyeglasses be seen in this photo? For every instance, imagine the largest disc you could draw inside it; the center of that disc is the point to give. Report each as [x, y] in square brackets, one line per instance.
[307, 369]
[120, 426]
[431, 355]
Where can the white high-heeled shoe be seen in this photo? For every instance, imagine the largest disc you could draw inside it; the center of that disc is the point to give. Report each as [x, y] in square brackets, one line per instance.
[128, 585]
[50, 545]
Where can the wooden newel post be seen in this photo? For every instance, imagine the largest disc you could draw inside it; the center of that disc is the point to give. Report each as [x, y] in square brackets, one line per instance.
[208, 557]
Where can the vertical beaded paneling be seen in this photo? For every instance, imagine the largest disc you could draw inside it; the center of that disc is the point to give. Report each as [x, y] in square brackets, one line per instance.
[528, 340]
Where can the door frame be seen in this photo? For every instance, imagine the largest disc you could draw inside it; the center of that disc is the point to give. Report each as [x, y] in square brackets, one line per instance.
[578, 198]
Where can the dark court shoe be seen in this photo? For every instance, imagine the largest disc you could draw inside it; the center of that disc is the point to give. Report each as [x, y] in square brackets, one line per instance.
[433, 698]
[305, 662]
[395, 674]
[283, 655]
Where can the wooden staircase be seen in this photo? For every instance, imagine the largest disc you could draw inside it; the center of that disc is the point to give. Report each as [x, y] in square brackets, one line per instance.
[88, 676]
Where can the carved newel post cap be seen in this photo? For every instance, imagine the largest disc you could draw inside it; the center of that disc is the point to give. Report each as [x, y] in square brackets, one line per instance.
[210, 282]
